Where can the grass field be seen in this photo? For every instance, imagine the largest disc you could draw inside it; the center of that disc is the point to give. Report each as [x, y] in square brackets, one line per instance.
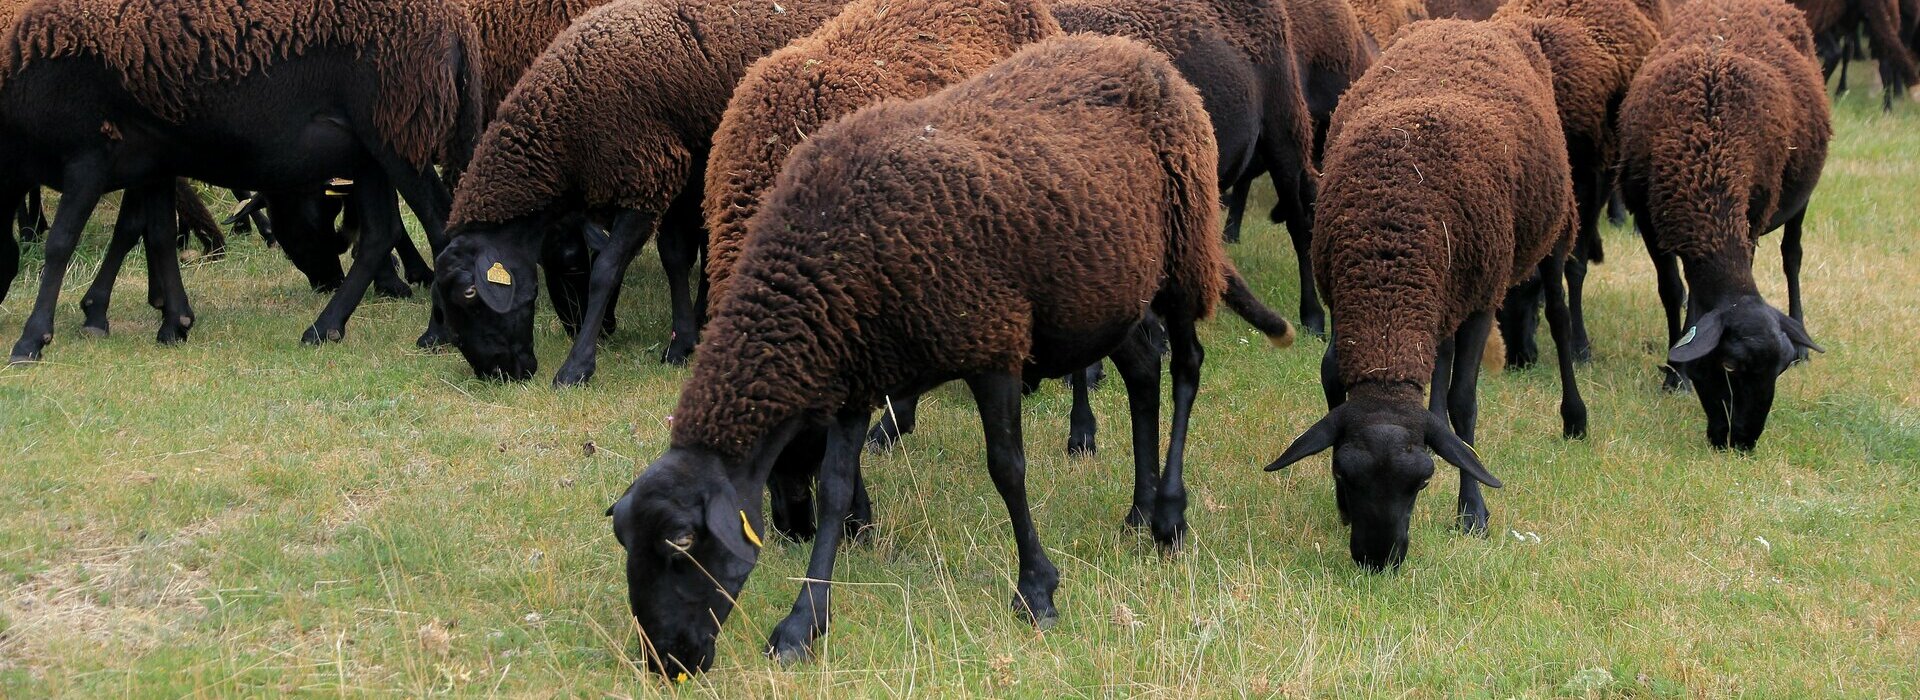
[245, 516]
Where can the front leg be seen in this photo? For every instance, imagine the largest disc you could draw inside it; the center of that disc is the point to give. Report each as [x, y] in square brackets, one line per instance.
[1573, 410]
[998, 396]
[1463, 409]
[679, 253]
[1673, 300]
[792, 639]
[127, 231]
[1790, 254]
[1081, 430]
[76, 205]
[630, 230]
[163, 264]
[379, 209]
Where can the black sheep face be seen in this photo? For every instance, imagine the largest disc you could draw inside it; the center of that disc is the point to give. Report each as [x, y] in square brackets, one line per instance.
[1734, 355]
[690, 548]
[486, 290]
[1380, 466]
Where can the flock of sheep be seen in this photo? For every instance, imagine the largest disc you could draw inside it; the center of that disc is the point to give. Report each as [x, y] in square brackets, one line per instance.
[893, 194]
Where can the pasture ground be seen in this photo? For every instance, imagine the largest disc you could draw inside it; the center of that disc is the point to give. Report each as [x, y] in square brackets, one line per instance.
[244, 516]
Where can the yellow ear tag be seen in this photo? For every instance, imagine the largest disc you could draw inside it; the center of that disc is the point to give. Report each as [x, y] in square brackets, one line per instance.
[336, 187]
[746, 526]
[498, 275]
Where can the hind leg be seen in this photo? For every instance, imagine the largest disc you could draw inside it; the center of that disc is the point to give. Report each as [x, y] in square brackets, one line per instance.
[1463, 410]
[680, 241]
[1170, 505]
[128, 230]
[1080, 436]
[1519, 317]
[76, 205]
[1138, 363]
[163, 263]
[1790, 256]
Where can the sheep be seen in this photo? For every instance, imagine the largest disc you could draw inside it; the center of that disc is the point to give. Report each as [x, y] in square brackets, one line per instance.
[1884, 24]
[106, 94]
[1381, 19]
[614, 122]
[512, 34]
[1723, 136]
[1013, 226]
[1446, 181]
[1330, 52]
[1594, 47]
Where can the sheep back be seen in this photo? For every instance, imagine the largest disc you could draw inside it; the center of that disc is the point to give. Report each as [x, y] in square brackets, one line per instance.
[620, 108]
[1045, 201]
[164, 50]
[1727, 120]
[1446, 181]
[1381, 19]
[872, 50]
[1594, 48]
[512, 34]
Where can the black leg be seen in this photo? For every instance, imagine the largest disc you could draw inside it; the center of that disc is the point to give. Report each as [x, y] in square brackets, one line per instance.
[76, 205]
[1790, 254]
[1589, 194]
[1463, 410]
[1138, 363]
[1236, 196]
[379, 211]
[1300, 229]
[679, 253]
[418, 272]
[1673, 299]
[630, 230]
[1082, 430]
[897, 418]
[163, 262]
[1519, 318]
[128, 230]
[791, 484]
[387, 283]
[998, 396]
[32, 217]
[1170, 508]
[1331, 386]
[1442, 379]
[9, 250]
[792, 639]
[566, 265]
[1573, 410]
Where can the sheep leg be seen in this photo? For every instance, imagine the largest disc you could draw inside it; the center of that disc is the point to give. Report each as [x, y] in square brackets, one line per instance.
[566, 264]
[83, 192]
[418, 272]
[32, 216]
[1616, 207]
[1673, 298]
[1300, 229]
[998, 396]
[1573, 410]
[1463, 410]
[1080, 434]
[380, 218]
[1519, 318]
[1790, 255]
[1170, 508]
[158, 203]
[1138, 363]
[127, 230]
[1588, 194]
[1437, 387]
[630, 231]
[791, 485]
[1236, 196]
[901, 414]
[679, 253]
[1331, 386]
[9, 250]
[792, 639]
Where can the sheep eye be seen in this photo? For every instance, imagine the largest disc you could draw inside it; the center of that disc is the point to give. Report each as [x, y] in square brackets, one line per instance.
[471, 292]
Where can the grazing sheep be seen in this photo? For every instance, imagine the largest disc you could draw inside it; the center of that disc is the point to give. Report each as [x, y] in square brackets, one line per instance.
[1381, 19]
[1010, 227]
[1594, 47]
[512, 33]
[1883, 21]
[1446, 182]
[1723, 136]
[278, 96]
[613, 122]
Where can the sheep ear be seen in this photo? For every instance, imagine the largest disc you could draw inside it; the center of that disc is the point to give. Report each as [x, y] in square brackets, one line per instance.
[1443, 442]
[1701, 339]
[1797, 332]
[493, 280]
[727, 522]
[1316, 440]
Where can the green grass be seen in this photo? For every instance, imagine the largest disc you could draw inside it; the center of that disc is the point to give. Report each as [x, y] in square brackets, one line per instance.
[244, 516]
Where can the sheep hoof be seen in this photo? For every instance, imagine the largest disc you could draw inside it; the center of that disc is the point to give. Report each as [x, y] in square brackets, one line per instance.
[571, 376]
[1672, 380]
[315, 335]
[1080, 446]
[791, 641]
[1472, 519]
[22, 358]
[1037, 610]
[675, 356]
[883, 437]
[1136, 518]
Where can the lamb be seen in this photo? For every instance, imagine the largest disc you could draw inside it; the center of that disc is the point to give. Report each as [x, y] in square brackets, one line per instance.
[279, 96]
[1723, 136]
[1446, 182]
[1014, 226]
[1594, 47]
[512, 34]
[613, 122]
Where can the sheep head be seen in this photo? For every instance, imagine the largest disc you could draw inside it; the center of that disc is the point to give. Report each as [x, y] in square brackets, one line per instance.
[1734, 355]
[485, 285]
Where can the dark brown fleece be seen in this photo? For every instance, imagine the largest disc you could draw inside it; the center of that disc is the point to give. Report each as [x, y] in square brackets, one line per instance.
[1054, 196]
[871, 51]
[512, 33]
[163, 49]
[1381, 19]
[1727, 120]
[1884, 22]
[1331, 52]
[1446, 181]
[620, 110]
[1594, 48]
[1463, 9]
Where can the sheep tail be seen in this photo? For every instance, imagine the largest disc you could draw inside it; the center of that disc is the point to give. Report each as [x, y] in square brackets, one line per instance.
[1240, 298]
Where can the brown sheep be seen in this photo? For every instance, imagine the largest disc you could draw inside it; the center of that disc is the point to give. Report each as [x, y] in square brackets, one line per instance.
[1885, 25]
[1446, 182]
[614, 122]
[278, 95]
[1017, 225]
[1594, 47]
[1723, 136]
[513, 33]
[1463, 9]
[1381, 19]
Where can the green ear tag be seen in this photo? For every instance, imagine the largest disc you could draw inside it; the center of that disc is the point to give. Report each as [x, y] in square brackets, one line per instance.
[1688, 338]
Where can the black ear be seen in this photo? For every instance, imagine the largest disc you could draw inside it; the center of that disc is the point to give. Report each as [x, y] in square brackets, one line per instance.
[1316, 440]
[728, 524]
[494, 280]
[1701, 339]
[1797, 333]
[1443, 442]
